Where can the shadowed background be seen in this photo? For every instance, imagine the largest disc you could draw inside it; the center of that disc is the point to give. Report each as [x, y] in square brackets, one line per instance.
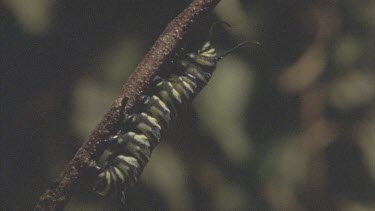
[286, 126]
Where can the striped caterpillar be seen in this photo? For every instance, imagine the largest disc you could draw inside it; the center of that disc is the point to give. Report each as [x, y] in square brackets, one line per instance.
[131, 148]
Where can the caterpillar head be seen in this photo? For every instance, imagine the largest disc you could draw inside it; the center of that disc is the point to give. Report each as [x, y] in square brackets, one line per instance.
[207, 56]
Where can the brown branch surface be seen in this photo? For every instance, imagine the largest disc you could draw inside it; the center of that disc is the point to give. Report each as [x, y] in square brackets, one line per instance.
[58, 194]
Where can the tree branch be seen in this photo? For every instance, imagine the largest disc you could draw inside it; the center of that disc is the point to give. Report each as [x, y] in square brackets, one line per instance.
[58, 194]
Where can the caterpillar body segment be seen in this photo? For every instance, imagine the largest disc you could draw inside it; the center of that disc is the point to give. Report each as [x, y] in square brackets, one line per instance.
[157, 108]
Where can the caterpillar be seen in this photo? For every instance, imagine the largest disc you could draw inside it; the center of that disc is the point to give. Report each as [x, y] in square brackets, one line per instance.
[130, 149]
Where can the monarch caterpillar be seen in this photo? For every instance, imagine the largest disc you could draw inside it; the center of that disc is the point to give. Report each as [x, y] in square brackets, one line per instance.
[131, 148]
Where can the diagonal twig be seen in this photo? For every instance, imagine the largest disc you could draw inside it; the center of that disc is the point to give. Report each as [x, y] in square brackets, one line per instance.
[58, 194]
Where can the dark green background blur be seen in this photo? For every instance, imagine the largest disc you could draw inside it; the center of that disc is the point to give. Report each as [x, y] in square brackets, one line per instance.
[286, 126]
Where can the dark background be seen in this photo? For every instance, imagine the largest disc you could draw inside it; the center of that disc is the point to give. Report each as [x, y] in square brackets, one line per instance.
[286, 126]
